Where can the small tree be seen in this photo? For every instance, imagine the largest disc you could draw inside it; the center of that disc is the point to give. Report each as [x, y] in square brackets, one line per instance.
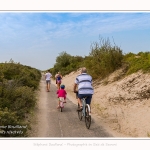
[105, 58]
[63, 59]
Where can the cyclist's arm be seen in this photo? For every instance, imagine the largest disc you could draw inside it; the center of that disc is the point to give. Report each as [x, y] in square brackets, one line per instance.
[75, 87]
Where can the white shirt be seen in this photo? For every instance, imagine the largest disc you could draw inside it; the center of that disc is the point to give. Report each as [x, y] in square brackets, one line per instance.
[48, 76]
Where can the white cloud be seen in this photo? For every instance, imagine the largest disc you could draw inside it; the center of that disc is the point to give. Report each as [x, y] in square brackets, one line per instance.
[34, 32]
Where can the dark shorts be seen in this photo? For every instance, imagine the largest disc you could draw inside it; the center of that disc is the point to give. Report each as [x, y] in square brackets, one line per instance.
[88, 99]
[48, 81]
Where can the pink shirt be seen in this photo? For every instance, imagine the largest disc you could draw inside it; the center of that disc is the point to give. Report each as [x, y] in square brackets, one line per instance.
[61, 93]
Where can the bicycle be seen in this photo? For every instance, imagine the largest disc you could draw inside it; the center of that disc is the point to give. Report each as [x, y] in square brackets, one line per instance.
[61, 103]
[85, 112]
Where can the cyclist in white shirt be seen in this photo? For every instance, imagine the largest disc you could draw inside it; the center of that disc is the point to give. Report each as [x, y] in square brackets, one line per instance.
[48, 76]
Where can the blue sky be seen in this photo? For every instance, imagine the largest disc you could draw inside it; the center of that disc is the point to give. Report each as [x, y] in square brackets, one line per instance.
[37, 38]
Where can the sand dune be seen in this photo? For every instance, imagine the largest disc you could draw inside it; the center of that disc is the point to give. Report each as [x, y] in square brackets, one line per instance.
[123, 104]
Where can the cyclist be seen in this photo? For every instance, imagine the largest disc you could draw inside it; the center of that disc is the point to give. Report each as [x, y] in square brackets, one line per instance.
[61, 94]
[58, 80]
[48, 76]
[85, 88]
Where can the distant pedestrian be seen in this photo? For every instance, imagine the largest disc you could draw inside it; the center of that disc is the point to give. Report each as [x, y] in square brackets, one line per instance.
[58, 77]
[48, 76]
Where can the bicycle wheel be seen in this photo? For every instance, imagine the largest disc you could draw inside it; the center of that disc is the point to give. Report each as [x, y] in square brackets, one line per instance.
[61, 106]
[60, 109]
[87, 117]
[79, 113]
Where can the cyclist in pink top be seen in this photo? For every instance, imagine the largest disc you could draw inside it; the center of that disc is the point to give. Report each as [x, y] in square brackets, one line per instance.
[61, 94]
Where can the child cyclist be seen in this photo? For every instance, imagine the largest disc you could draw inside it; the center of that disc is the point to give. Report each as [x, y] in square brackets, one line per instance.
[61, 94]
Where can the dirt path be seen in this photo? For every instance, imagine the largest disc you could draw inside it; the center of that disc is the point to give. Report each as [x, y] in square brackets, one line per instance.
[50, 122]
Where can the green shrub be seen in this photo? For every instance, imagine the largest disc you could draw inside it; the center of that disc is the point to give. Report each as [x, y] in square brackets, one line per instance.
[11, 126]
[17, 97]
[65, 63]
[136, 62]
[104, 58]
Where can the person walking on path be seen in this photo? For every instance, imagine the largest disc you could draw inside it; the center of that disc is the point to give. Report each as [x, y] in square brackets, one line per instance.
[48, 76]
[58, 77]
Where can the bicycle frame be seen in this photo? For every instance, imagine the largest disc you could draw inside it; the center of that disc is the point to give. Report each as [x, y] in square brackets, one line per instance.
[85, 113]
[83, 103]
[61, 103]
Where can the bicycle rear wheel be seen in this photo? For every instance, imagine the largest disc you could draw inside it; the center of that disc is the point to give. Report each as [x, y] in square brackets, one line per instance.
[87, 117]
[61, 106]
[79, 113]
[60, 109]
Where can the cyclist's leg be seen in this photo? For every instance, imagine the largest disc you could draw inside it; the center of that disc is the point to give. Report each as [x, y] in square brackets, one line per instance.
[58, 103]
[77, 97]
[79, 101]
[64, 100]
[88, 100]
[80, 96]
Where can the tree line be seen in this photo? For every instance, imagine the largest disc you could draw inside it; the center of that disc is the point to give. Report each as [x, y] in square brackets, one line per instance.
[103, 59]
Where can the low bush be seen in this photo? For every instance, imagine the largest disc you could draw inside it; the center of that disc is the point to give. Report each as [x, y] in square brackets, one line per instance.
[10, 125]
[18, 85]
[136, 62]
